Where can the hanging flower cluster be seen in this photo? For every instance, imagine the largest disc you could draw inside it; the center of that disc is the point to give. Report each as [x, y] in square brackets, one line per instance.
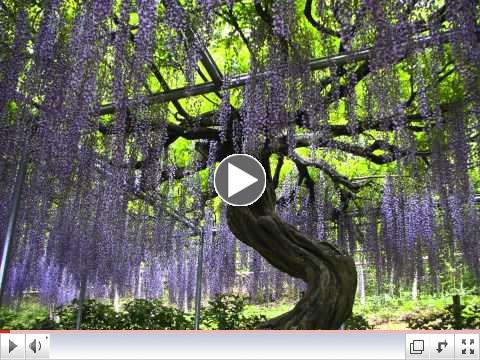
[107, 203]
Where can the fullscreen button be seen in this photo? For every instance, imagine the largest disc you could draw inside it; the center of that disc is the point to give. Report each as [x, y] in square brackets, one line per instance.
[466, 346]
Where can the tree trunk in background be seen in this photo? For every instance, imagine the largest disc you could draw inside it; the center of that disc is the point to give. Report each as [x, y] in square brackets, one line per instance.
[116, 298]
[329, 273]
[361, 283]
[415, 287]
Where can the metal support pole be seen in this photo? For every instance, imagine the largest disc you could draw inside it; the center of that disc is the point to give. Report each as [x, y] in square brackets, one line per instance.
[198, 290]
[81, 301]
[12, 220]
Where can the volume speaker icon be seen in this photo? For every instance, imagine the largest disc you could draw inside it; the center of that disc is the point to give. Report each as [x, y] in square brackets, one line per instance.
[35, 346]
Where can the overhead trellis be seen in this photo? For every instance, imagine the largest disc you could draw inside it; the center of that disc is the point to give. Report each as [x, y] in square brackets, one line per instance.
[236, 81]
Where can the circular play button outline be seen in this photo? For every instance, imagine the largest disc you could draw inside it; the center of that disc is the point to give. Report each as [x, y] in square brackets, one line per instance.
[246, 169]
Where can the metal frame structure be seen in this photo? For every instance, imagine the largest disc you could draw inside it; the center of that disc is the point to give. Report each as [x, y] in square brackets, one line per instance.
[240, 80]
[216, 84]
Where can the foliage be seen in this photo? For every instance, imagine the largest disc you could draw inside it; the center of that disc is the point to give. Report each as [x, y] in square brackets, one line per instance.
[135, 314]
[28, 316]
[152, 314]
[357, 322]
[377, 154]
[471, 316]
[444, 319]
[232, 312]
[226, 312]
[96, 315]
[431, 319]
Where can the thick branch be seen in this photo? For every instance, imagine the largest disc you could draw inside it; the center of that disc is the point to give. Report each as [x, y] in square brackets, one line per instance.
[329, 170]
[173, 132]
[391, 154]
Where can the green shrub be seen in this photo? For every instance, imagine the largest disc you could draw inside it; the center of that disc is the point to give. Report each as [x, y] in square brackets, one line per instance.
[443, 319]
[357, 322]
[431, 319]
[27, 316]
[471, 317]
[135, 315]
[152, 314]
[95, 316]
[226, 312]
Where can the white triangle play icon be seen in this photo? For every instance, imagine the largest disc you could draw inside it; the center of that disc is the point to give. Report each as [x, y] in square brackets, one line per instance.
[238, 180]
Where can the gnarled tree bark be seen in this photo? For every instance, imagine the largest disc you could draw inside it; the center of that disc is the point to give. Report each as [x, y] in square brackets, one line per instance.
[329, 273]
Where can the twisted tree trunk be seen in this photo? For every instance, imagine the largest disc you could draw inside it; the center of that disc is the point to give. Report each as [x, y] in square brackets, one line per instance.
[329, 273]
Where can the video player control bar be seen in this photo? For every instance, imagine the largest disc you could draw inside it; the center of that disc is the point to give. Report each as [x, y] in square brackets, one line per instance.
[236, 345]
[463, 346]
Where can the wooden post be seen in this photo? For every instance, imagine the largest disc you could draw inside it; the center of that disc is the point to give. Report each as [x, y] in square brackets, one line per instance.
[457, 312]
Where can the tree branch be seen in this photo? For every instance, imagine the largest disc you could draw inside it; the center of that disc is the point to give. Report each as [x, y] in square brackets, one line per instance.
[276, 176]
[263, 13]
[232, 20]
[307, 11]
[329, 170]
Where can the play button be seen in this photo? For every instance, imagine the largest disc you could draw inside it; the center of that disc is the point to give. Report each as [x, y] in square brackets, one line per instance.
[240, 180]
[11, 346]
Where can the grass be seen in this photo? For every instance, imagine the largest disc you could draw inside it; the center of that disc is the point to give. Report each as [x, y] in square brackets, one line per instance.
[384, 312]
[387, 312]
[269, 311]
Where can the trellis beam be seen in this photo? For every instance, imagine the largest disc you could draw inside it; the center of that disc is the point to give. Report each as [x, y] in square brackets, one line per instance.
[212, 68]
[240, 80]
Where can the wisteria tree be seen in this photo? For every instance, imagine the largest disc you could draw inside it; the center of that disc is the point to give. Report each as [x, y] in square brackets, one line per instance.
[364, 114]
